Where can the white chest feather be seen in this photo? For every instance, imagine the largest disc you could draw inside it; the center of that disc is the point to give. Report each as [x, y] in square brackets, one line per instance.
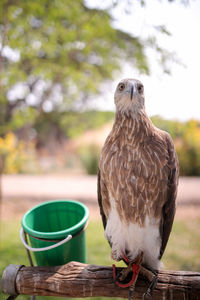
[134, 239]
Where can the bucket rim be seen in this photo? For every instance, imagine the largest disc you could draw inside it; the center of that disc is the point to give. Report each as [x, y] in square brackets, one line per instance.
[56, 234]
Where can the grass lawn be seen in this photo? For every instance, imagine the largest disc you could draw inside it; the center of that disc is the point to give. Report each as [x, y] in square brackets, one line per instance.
[182, 252]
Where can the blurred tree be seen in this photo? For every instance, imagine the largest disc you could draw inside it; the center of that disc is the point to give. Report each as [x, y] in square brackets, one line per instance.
[54, 54]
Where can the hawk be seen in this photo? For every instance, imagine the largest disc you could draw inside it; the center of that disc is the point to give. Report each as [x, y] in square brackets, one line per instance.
[137, 183]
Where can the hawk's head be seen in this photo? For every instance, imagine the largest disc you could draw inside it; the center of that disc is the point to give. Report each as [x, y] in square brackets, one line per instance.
[129, 95]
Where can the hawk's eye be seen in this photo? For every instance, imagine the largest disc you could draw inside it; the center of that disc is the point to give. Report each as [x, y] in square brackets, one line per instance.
[121, 86]
[140, 88]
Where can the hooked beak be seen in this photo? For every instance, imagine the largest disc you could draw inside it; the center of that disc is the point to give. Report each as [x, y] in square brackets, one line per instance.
[132, 90]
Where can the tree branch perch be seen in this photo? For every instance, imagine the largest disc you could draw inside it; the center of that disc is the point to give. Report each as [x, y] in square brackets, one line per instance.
[81, 280]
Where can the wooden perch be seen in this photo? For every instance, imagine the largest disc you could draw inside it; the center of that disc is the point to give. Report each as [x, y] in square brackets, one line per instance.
[81, 280]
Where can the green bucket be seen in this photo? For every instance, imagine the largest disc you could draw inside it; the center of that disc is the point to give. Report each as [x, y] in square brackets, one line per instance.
[56, 232]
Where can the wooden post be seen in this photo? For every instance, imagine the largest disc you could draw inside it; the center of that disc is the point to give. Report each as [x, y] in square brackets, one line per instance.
[81, 280]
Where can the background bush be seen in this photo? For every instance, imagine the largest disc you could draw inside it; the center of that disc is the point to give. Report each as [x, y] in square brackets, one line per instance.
[20, 156]
[17, 156]
[186, 136]
[89, 156]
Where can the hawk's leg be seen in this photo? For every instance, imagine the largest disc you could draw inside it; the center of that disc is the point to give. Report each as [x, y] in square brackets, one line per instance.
[152, 276]
[134, 268]
[132, 287]
[124, 273]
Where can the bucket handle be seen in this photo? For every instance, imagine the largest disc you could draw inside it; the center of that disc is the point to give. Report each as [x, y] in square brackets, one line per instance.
[68, 238]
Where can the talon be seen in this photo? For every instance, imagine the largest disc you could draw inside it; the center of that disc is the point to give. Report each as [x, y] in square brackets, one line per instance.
[133, 268]
[151, 287]
[124, 273]
[147, 295]
[135, 271]
[117, 277]
[130, 294]
[155, 280]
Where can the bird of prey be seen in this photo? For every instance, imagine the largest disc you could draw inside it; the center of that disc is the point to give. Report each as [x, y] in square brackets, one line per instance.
[137, 183]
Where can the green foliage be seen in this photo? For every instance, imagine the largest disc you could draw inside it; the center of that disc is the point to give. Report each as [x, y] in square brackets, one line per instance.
[89, 156]
[175, 128]
[74, 123]
[17, 156]
[186, 136]
[61, 53]
[188, 149]
[68, 125]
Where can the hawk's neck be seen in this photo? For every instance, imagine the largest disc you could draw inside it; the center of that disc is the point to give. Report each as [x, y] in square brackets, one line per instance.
[133, 125]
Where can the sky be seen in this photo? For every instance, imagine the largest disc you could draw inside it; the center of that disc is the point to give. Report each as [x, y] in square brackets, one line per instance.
[176, 96]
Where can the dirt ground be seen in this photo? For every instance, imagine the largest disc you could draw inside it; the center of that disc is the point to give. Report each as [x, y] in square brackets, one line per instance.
[22, 192]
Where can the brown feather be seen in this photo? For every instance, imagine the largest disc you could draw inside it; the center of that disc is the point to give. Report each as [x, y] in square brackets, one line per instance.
[103, 216]
[135, 160]
[170, 206]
